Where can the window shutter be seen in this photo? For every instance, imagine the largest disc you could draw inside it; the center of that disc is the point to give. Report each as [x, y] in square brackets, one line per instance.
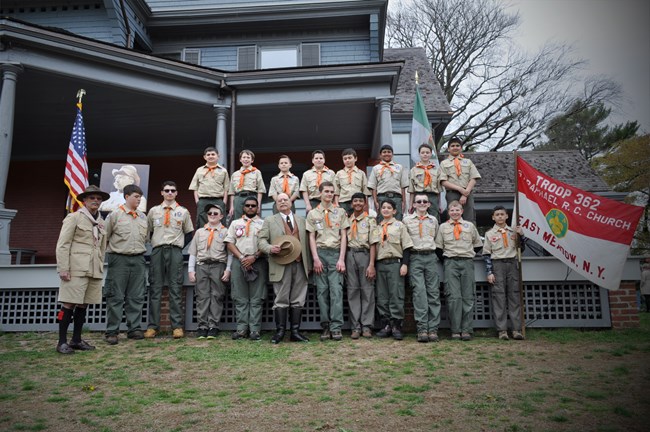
[310, 54]
[192, 56]
[246, 58]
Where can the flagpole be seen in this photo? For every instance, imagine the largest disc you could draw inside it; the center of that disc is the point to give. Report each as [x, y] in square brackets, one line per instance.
[80, 94]
[522, 312]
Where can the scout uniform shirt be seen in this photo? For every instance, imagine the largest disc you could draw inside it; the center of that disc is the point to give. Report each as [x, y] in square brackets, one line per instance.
[500, 243]
[169, 225]
[126, 231]
[388, 177]
[422, 230]
[461, 243]
[449, 171]
[424, 178]
[311, 181]
[348, 182]
[81, 245]
[393, 239]
[327, 223]
[208, 244]
[210, 182]
[363, 231]
[284, 183]
[251, 182]
[243, 234]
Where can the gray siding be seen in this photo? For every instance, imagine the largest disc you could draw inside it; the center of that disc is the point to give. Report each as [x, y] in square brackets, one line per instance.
[345, 52]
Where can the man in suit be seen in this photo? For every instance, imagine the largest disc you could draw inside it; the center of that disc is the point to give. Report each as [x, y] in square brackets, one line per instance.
[289, 278]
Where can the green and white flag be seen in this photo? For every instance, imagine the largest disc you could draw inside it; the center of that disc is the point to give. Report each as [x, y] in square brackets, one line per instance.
[421, 129]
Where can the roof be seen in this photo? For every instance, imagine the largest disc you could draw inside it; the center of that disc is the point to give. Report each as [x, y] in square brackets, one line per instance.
[568, 166]
[415, 59]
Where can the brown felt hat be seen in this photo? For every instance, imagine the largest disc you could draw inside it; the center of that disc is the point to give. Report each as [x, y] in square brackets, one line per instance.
[93, 190]
[290, 249]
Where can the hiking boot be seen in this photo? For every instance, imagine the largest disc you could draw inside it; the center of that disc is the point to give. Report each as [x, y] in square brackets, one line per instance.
[455, 336]
[503, 335]
[433, 337]
[466, 336]
[239, 334]
[202, 333]
[213, 333]
[385, 331]
[135, 334]
[326, 334]
[111, 339]
[366, 333]
[150, 333]
[255, 336]
[517, 335]
[82, 345]
[337, 335]
[423, 337]
[64, 348]
[178, 333]
[397, 330]
[356, 334]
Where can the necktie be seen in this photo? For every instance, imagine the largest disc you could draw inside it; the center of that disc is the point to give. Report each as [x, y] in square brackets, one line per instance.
[384, 166]
[285, 185]
[289, 224]
[504, 235]
[421, 218]
[243, 176]
[384, 231]
[248, 224]
[427, 174]
[210, 170]
[457, 229]
[457, 164]
[129, 212]
[168, 211]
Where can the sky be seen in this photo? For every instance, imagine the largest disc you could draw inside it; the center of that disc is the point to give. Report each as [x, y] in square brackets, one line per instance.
[612, 35]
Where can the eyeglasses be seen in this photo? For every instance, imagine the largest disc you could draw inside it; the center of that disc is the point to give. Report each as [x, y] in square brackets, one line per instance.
[250, 205]
[421, 202]
[213, 213]
[169, 190]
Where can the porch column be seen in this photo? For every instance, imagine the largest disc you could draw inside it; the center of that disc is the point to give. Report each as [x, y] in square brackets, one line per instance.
[10, 73]
[385, 129]
[222, 141]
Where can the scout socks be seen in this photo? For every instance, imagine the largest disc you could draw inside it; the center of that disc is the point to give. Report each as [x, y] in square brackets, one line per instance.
[79, 320]
[64, 316]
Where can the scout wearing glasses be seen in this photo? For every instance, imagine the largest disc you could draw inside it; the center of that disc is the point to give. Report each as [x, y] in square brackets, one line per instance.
[210, 184]
[423, 269]
[313, 178]
[349, 181]
[249, 271]
[459, 175]
[209, 268]
[424, 178]
[388, 180]
[169, 224]
[245, 182]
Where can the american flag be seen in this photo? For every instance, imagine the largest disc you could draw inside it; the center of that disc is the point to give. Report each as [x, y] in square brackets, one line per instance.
[76, 165]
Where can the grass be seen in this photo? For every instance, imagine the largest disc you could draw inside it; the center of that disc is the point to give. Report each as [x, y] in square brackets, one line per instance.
[560, 380]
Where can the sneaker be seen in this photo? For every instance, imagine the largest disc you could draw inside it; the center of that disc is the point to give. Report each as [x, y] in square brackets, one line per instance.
[255, 336]
[178, 333]
[503, 335]
[366, 333]
[82, 345]
[466, 336]
[202, 333]
[64, 348]
[336, 335]
[111, 339]
[150, 333]
[356, 334]
[517, 335]
[213, 333]
[433, 337]
[423, 337]
[135, 334]
[239, 334]
[455, 336]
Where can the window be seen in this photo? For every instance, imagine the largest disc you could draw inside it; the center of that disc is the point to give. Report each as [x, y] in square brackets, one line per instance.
[278, 57]
[274, 56]
[192, 56]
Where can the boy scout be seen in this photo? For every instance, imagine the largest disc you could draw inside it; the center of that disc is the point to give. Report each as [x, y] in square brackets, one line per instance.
[249, 271]
[423, 269]
[208, 268]
[313, 178]
[169, 223]
[393, 254]
[327, 226]
[360, 268]
[388, 180]
[459, 241]
[210, 183]
[349, 181]
[458, 175]
[424, 178]
[126, 280]
[284, 182]
[500, 255]
[245, 182]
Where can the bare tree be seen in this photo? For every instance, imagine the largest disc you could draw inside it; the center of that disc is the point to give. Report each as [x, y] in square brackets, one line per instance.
[501, 96]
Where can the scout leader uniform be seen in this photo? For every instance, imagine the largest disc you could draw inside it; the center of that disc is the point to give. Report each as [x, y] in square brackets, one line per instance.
[248, 287]
[459, 171]
[458, 240]
[327, 224]
[168, 225]
[348, 182]
[362, 235]
[284, 183]
[208, 259]
[425, 179]
[311, 181]
[392, 252]
[126, 277]
[210, 184]
[500, 254]
[423, 275]
[389, 179]
[243, 184]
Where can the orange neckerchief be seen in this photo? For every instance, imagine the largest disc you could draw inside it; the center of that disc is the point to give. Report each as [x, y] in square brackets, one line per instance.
[285, 184]
[384, 230]
[457, 163]
[211, 236]
[129, 212]
[504, 235]
[353, 228]
[326, 211]
[457, 229]
[168, 211]
[243, 175]
[350, 172]
[210, 170]
[427, 174]
[421, 218]
[319, 175]
[384, 166]
[248, 224]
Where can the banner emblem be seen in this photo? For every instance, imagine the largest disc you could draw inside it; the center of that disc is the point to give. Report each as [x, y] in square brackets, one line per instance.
[557, 222]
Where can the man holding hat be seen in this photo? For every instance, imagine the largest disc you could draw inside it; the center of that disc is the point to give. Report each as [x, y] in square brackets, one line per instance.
[284, 239]
[80, 264]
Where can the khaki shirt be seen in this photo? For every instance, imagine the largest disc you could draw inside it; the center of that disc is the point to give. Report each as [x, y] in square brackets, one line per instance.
[416, 179]
[275, 187]
[347, 188]
[398, 239]
[463, 247]
[366, 232]
[467, 171]
[494, 245]
[81, 246]
[253, 182]
[217, 251]
[210, 184]
[426, 241]
[247, 244]
[327, 236]
[383, 180]
[126, 234]
[180, 223]
[308, 182]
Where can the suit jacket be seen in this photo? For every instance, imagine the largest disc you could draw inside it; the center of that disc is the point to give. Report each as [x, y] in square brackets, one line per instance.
[81, 246]
[272, 229]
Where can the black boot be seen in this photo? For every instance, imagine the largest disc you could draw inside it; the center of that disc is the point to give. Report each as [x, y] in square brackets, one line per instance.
[397, 329]
[280, 325]
[386, 329]
[295, 317]
[326, 335]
